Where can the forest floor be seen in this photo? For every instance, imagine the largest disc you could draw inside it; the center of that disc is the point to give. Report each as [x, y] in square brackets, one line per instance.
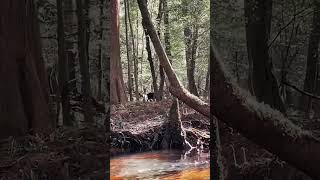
[136, 126]
[67, 153]
[70, 153]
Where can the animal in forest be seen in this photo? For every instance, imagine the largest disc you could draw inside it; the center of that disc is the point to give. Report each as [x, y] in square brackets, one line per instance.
[151, 96]
[143, 96]
[148, 97]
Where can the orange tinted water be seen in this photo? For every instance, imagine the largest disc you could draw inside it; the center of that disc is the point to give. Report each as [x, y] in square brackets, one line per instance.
[166, 165]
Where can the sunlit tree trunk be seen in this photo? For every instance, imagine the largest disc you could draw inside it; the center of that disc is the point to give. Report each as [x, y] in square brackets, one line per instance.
[134, 58]
[161, 71]
[117, 88]
[130, 83]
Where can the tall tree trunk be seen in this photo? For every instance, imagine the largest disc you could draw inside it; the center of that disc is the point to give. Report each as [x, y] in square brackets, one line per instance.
[83, 58]
[23, 93]
[63, 67]
[191, 38]
[257, 122]
[167, 29]
[153, 72]
[264, 83]
[117, 88]
[69, 24]
[310, 81]
[134, 58]
[99, 96]
[216, 171]
[128, 51]
[86, 14]
[206, 89]
[161, 71]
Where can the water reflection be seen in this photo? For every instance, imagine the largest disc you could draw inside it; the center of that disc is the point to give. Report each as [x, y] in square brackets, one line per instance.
[167, 165]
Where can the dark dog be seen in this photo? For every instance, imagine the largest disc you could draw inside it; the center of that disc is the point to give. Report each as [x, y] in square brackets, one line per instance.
[151, 97]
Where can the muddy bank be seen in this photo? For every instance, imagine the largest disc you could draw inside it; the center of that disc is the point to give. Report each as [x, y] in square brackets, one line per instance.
[139, 127]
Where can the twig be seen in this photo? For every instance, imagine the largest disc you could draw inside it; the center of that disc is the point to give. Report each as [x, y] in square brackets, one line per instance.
[301, 91]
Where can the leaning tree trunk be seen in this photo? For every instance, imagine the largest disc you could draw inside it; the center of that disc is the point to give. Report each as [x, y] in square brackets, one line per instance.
[23, 93]
[63, 67]
[310, 81]
[117, 89]
[256, 121]
[264, 83]
[83, 59]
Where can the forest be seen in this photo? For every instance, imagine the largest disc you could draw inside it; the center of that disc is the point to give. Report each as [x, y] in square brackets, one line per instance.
[137, 89]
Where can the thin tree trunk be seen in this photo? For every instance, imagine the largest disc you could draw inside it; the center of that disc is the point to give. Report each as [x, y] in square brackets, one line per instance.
[190, 61]
[206, 93]
[193, 61]
[117, 88]
[83, 58]
[87, 24]
[135, 64]
[23, 92]
[153, 72]
[69, 23]
[99, 96]
[167, 30]
[257, 122]
[128, 51]
[161, 71]
[63, 67]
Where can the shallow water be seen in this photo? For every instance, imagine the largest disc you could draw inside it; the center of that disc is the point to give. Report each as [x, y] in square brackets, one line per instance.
[167, 165]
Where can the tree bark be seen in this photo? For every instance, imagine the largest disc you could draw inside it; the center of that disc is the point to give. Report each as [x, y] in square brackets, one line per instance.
[23, 93]
[258, 122]
[261, 124]
[207, 86]
[83, 58]
[312, 71]
[161, 71]
[117, 88]
[153, 72]
[100, 69]
[69, 24]
[134, 58]
[191, 38]
[167, 30]
[264, 83]
[128, 51]
[63, 67]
